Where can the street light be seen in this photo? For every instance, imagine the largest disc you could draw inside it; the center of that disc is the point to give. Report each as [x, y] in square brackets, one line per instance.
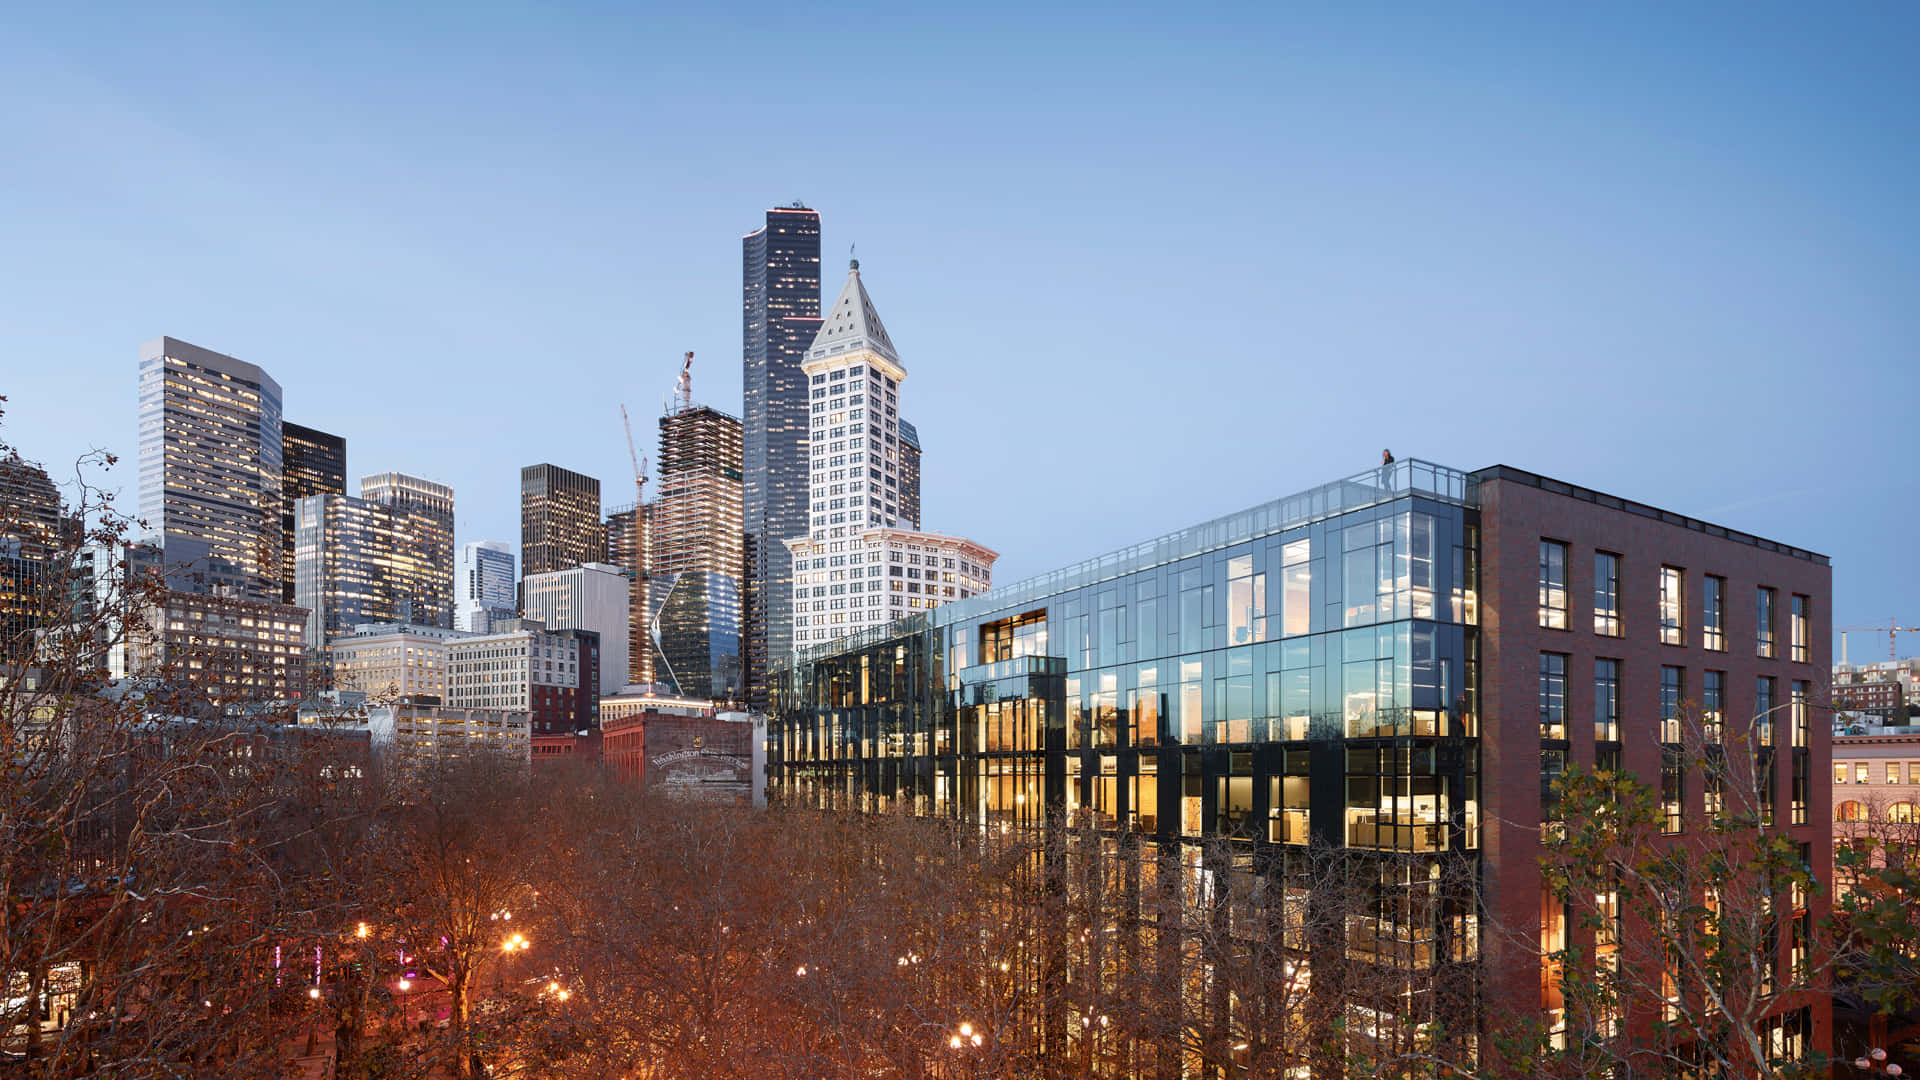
[1875, 1063]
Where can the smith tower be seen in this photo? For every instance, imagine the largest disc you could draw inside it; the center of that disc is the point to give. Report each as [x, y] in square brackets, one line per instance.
[863, 560]
[780, 316]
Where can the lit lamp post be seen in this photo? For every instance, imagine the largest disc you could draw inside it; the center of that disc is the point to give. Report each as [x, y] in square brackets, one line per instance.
[1875, 1063]
[961, 1043]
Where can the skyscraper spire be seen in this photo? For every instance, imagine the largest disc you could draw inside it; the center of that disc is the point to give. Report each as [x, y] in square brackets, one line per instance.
[852, 323]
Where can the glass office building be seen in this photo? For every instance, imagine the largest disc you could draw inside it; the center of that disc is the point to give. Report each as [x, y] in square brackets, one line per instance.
[312, 463]
[210, 464]
[1302, 670]
[780, 314]
[1388, 669]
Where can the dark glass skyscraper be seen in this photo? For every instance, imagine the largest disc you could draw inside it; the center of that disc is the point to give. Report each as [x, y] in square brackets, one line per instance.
[560, 525]
[311, 463]
[781, 315]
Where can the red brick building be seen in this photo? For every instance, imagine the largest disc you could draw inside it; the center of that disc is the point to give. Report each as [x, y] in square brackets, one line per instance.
[711, 758]
[1625, 613]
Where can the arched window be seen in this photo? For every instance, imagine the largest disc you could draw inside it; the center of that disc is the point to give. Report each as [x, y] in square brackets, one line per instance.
[1850, 811]
[1902, 813]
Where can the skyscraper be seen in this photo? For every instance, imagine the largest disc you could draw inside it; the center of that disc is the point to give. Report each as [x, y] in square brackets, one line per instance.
[909, 475]
[697, 558]
[483, 586]
[311, 463]
[429, 509]
[857, 522]
[210, 458]
[360, 561]
[560, 522]
[781, 313]
[30, 530]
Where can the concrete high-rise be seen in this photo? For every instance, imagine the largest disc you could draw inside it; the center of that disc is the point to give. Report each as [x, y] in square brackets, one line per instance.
[780, 315]
[210, 458]
[591, 596]
[483, 585]
[856, 521]
[697, 560]
[560, 522]
[311, 463]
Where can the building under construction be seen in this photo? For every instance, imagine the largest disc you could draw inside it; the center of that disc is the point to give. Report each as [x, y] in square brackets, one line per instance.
[629, 547]
[697, 551]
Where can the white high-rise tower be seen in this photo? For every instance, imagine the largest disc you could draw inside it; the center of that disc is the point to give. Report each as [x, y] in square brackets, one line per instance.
[864, 561]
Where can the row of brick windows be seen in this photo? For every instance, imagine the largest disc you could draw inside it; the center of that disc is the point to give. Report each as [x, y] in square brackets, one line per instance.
[1709, 698]
[1555, 610]
[1709, 702]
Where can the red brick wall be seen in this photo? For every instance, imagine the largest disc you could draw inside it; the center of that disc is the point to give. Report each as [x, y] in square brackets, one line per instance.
[1515, 517]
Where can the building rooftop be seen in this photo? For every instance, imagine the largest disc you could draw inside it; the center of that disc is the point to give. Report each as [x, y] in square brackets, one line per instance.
[853, 324]
[1560, 487]
[1381, 484]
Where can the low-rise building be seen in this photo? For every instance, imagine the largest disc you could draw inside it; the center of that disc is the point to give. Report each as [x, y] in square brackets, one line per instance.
[1876, 777]
[234, 649]
[393, 662]
[526, 668]
[407, 737]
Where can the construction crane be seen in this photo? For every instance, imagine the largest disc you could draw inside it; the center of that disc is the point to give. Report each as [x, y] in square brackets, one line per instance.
[683, 388]
[639, 463]
[1893, 630]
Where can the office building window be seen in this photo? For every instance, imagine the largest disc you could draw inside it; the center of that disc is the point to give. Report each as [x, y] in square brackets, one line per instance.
[1673, 686]
[1763, 710]
[1673, 789]
[1606, 593]
[1801, 629]
[1802, 720]
[1673, 605]
[1763, 600]
[1553, 764]
[1713, 631]
[1713, 693]
[1553, 696]
[1801, 783]
[1553, 585]
[1839, 772]
[1606, 700]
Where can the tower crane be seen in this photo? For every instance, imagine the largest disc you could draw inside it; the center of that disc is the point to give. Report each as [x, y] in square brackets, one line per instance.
[1893, 630]
[683, 387]
[639, 463]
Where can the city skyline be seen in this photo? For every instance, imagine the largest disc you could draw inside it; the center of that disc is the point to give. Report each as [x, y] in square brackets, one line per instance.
[1682, 289]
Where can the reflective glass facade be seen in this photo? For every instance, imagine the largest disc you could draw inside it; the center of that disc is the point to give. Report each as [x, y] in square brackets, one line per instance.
[780, 315]
[428, 510]
[357, 562]
[312, 462]
[696, 633]
[1299, 671]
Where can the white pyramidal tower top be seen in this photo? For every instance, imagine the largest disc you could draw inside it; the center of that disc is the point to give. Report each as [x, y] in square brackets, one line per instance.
[864, 561]
[852, 324]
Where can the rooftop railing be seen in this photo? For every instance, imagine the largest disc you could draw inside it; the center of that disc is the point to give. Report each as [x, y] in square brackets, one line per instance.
[1377, 485]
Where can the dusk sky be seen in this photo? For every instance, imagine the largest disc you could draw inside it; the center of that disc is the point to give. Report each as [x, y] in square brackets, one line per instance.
[1145, 264]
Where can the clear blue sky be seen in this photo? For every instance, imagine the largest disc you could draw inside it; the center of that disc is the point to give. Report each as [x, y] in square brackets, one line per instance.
[1146, 264]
